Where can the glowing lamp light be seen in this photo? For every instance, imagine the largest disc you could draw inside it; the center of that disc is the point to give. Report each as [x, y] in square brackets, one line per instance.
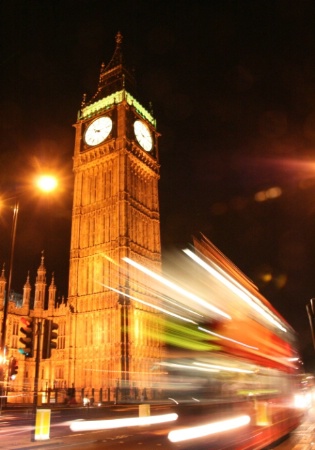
[86, 401]
[47, 183]
[303, 400]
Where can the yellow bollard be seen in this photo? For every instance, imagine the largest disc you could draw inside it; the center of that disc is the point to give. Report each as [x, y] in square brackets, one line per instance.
[144, 410]
[42, 424]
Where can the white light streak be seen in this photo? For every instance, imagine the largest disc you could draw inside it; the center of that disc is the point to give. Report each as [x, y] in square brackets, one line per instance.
[177, 288]
[119, 423]
[228, 339]
[151, 305]
[185, 434]
[154, 293]
[234, 289]
[214, 367]
[190, 367]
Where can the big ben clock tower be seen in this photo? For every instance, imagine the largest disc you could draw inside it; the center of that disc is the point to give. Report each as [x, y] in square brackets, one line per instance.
[115, 215]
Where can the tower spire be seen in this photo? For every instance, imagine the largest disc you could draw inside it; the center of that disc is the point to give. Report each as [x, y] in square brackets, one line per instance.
[52, 293]
[117, 57]
[114, 76]
[40, 284]
[27, 291]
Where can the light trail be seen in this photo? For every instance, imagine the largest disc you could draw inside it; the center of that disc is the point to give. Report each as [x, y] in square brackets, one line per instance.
[223, 368]
[237, 290]
[206, 367]
[177, 288]
[227, 338]
[151, 305]
[120, 423]
[152, 292]
[185, 434]
[188, 366]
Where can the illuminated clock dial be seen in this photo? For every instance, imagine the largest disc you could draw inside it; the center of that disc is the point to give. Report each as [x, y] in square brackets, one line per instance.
[143, 135]
[98, 130]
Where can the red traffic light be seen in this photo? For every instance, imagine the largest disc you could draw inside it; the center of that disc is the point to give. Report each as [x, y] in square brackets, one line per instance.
[26, 320]
[28, 339]
[13, 368]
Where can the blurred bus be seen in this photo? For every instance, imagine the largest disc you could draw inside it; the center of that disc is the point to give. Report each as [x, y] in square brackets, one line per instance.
[231, 368]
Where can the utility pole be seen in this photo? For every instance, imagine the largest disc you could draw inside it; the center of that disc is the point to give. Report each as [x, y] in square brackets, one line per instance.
[310, 308]
[37, 361]
[8, 287]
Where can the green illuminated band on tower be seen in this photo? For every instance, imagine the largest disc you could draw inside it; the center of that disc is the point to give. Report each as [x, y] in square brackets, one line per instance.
[112, 99]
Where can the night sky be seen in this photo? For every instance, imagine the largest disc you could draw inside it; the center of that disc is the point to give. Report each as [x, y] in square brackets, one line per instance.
[232, 84]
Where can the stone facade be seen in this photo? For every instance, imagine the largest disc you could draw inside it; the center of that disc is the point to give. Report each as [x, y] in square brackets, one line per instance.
[42, 305]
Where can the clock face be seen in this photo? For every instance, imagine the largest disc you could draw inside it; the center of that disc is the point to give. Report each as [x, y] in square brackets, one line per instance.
[143, 135]
[98, 130]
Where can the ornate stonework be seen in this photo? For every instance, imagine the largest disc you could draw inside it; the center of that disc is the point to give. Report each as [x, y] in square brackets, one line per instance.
[115, 214]
[106, 346]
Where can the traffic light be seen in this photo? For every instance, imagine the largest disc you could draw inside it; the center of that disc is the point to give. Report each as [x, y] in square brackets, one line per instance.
[50, 336]
[27, 329]
[13, 368]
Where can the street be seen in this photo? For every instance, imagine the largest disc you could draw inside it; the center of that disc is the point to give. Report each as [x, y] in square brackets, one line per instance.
[17, 431]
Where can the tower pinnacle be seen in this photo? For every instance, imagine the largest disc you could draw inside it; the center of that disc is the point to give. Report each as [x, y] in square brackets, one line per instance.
[114, 76]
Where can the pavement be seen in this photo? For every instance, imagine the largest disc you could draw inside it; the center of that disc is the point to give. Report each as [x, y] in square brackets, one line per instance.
[303, 438]
[22, 444]
[23, 437]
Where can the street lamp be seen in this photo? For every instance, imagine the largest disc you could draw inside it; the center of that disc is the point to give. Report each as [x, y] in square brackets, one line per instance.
[7, 291]
[45, 183]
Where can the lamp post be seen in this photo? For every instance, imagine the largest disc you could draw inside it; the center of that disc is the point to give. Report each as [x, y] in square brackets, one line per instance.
[7, 291]
[6, 301]
[310, 309]
[46, 183]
